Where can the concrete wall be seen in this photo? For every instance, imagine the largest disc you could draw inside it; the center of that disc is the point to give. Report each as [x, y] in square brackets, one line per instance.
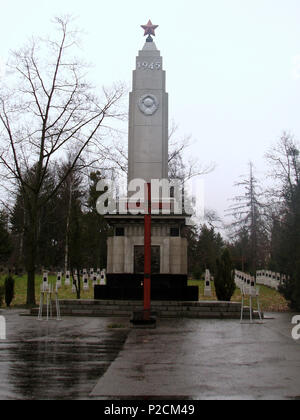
[173, 250]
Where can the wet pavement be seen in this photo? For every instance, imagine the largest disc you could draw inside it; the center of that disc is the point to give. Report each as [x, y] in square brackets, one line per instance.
[84, 358]
[56, 359]
[207, 359]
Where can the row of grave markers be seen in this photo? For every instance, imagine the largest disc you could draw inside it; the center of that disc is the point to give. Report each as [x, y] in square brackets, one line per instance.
[97, 277]
[243, 279]
[269, 278]
[264, 277]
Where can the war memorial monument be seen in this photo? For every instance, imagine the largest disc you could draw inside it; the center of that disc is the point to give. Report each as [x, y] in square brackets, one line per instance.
[149, 242]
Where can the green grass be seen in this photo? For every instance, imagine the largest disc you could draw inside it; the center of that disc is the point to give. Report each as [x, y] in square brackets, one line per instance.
[65, 292]
[270, 300]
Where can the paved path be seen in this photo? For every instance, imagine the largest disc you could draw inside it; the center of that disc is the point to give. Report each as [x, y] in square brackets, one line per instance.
[207, 359]
[55, 360]
[80, 358]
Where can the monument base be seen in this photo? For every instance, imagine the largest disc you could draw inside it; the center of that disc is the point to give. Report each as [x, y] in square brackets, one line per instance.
[125, 246]
[164, 287]
[141, 320]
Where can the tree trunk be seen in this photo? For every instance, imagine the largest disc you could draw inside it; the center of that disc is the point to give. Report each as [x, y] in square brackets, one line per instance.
[66, 254]
[67, 226]
[31, 245]
[30, 266]
[30, 286]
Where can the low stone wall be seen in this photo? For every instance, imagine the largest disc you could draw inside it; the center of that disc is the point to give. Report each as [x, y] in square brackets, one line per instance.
[172, 309]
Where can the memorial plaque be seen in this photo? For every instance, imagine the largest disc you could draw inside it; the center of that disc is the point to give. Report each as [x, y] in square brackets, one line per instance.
[139, 259]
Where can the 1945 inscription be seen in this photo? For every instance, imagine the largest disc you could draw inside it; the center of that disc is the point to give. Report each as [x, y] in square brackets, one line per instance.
[145, 65]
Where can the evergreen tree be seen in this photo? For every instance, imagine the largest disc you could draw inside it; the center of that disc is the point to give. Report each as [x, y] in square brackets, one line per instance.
[96, 228]
[209, 248]
[224, 278]
[240, 250]
[6, 246]
[204, 247]
[191, 234]
[9, 287]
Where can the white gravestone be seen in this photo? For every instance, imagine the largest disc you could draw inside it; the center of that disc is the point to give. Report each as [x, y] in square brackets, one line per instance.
[45, 284]
[278, 278]
[67, 278]
[207, 284]
[58, 280]
[237, 277]
[75, 283]
[95, 280]
[244, 279]
[85, 282]
[270, 278]
[103, 278]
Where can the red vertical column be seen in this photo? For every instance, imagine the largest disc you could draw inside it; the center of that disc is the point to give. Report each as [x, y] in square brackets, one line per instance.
[147, 252]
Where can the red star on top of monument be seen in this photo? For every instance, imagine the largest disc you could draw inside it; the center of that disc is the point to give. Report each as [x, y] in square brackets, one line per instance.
[149, 28]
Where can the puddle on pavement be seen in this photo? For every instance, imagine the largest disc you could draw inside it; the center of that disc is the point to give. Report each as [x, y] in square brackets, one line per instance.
[56, 361]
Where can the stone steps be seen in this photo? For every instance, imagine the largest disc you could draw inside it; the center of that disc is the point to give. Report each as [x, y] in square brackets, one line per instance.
[163, 309]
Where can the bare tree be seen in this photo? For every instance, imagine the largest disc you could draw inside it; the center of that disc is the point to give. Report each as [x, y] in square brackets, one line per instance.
[48, 109]
[181, 165]
[284, 161]
[248, 213]
[284, 210]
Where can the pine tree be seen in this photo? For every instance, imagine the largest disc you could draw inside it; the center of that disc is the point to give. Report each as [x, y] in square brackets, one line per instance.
[224, 278]
[5, 239]
[9, 287]
[96, 227]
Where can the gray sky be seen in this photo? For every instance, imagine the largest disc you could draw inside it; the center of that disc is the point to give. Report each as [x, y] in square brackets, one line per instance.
[233, 68]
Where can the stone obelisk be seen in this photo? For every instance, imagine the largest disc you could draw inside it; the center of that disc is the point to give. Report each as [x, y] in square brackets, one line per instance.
[148, 116]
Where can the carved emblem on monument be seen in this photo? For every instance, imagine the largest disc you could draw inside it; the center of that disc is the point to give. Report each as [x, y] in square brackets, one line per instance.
[148, 104]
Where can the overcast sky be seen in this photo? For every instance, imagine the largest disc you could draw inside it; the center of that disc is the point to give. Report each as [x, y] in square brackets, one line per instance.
[233, 68]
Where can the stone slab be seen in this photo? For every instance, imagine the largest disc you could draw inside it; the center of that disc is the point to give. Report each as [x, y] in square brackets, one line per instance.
[172, 309]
